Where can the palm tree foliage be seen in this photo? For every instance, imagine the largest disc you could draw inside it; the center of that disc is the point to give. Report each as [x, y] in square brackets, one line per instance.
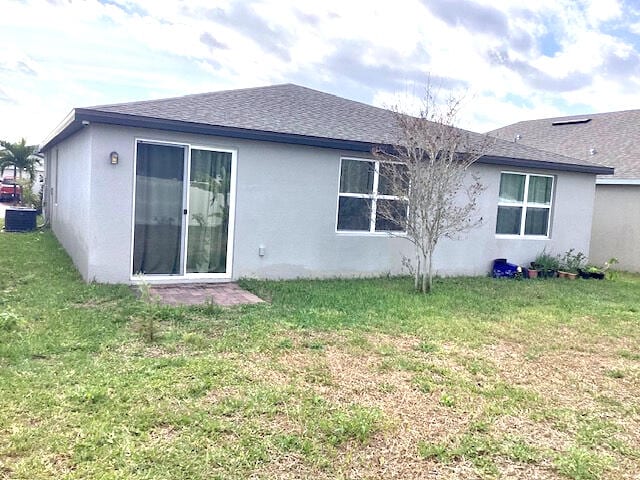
[20, 156]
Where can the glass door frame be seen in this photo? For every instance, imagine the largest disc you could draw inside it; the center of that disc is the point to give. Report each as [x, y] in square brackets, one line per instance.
[184, 276]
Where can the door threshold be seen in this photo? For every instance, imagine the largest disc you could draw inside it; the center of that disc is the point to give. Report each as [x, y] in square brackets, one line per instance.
[177, 280]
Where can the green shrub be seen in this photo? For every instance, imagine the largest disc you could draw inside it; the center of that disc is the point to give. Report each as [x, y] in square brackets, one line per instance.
[27, 197]
[546, 261]
[571, 262]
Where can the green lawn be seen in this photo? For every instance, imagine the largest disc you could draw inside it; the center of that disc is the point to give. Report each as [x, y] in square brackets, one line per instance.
[330, 379]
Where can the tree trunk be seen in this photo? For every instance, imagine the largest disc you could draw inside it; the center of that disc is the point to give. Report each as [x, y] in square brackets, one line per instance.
[430, 272]
[426, 276]
[416, 279]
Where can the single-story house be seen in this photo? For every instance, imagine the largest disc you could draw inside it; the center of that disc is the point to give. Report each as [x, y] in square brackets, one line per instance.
[613, 139]
[278, 182]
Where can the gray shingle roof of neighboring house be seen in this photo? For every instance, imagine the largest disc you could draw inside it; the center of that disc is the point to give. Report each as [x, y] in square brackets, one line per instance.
[611, 138]
[290, 114]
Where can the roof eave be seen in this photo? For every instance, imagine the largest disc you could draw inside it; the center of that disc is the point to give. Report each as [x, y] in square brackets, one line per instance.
[65, 129]
[80, 117]
[617, 181]
[528, 163]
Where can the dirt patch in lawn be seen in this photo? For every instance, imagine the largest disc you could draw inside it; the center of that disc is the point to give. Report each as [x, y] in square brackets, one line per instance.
[374, 378]
[572, 379]
[163, 434]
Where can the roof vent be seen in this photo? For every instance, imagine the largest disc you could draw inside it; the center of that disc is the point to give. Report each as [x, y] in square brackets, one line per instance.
[593, 151]
[517, 137]
[571, 121]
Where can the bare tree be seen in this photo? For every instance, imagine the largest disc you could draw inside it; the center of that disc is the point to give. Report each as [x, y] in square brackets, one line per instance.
[427, 171]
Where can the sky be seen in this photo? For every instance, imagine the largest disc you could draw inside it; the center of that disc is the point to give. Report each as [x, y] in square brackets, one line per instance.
[509, 60]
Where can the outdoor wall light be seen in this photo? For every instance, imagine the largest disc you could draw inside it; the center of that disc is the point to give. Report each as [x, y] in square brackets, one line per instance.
[114, 158]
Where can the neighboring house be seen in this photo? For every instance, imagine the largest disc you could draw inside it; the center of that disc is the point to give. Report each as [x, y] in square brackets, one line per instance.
[608, 139]
[38, 179]
[275, 182]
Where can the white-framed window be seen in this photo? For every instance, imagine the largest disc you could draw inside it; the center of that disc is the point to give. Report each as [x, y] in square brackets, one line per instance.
[365, 199]
[524, 204]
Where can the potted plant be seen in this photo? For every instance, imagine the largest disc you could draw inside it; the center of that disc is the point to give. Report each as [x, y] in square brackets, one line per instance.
[546, 265]
[593, 271]
[570, 264]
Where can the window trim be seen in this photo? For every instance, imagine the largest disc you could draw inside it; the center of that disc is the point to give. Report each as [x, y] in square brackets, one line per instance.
[374, 197]
[525, 204]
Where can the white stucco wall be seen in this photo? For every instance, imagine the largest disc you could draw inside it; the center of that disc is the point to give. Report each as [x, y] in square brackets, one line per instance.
[286, 201]
[69, 206]
[112, 206]
[616, 226]
[570, 225]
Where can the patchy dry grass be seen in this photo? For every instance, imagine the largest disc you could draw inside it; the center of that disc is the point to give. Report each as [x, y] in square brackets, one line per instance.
[509, 416]
[334, 379]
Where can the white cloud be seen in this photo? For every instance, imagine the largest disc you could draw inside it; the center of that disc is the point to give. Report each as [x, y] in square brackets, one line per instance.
[600, 11]
[57, 56]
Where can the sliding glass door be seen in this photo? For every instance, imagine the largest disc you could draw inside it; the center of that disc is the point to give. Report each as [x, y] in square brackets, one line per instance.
[209, 207]
[183, 211]
[158, 230]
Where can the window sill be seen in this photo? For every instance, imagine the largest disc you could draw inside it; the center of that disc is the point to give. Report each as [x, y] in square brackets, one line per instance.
[522, 237]
[356, 233]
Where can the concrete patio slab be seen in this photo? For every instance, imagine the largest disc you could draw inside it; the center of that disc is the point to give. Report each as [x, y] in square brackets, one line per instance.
[223, 294]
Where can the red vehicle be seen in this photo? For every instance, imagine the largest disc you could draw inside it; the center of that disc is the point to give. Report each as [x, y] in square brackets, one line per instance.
[9, 190]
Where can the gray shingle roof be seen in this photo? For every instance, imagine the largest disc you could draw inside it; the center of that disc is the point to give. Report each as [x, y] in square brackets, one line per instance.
[280, 108]
[613, 136]
[294, 110]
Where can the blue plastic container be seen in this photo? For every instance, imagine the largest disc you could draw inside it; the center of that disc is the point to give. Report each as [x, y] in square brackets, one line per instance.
[504, 269]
